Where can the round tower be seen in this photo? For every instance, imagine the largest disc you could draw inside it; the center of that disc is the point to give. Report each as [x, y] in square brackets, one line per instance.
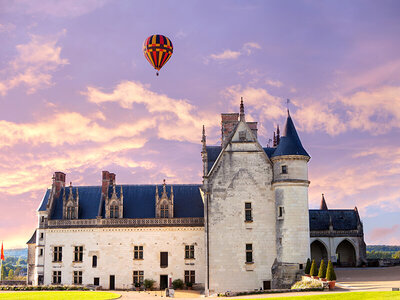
[290, 184]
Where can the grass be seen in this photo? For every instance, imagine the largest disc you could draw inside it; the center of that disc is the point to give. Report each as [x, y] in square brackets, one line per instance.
[67, 295]
[346, 296]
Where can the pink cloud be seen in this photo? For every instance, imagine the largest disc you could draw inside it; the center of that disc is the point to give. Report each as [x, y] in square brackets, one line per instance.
[380, 234]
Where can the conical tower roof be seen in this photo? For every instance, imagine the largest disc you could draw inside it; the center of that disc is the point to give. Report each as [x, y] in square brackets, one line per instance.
[290, 143]
[323, 205]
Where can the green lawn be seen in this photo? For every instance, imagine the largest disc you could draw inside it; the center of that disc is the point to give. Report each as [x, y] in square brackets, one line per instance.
[345, 296]
[62, 295]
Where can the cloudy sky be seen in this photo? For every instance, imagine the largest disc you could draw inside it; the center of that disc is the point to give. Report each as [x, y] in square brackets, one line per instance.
[77, 95]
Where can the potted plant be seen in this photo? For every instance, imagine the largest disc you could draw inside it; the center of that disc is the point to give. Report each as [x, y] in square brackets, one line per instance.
[308, 267]
[148, 284]
[313, 270]
[189, 285]
[331, 276]
[322, 271]
[177, 284]
[137, 286]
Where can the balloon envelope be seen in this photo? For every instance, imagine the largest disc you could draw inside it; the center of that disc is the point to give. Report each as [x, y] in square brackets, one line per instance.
[158, 50]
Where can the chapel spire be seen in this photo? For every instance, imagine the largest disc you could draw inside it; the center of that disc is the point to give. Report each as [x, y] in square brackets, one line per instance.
[241, 116]
[323, 205]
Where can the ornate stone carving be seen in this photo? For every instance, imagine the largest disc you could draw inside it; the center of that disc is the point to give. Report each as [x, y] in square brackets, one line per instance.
[165, 204]
[70, 205]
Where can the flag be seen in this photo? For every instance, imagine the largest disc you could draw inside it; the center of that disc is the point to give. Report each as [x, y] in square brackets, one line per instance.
[2, 252]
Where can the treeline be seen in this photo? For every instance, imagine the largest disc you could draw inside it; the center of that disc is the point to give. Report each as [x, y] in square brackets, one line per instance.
[14, 268]
[384, 248]
[383, 254]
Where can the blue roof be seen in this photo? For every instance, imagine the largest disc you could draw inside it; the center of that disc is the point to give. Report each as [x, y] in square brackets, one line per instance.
[139, 201]
[290, 143]
[45, 199]
[212, 155]
[342, 219]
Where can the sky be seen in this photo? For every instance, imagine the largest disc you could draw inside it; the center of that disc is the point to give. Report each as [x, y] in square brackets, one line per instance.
[77, 95]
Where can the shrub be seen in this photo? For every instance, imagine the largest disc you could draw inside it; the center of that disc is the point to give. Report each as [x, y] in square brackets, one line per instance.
[330, 272]
[313, 269]
[177, 284]
[307, 285]
[137, 284]
[322, 270]
[148, 283]
[189, 284]
[308, 267]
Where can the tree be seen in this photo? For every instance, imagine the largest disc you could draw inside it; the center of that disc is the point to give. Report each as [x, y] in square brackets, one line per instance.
[330, 272]
[148, 283]
[308, 267]
[322, 270]
[11, 274]
[313, 269]
[396, 255]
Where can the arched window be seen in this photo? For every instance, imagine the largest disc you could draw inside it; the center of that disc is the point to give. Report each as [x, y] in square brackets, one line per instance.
[164, 211]
[114, 211]
[70, 212]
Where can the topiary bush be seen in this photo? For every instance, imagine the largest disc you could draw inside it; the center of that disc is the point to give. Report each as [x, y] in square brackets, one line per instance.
[330, 272]
[313, 269]
[322, 270]
[148, 283]
[177, 284]
[308, 267]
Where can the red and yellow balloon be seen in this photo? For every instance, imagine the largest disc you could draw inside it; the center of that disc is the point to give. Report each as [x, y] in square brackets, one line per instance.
[158, 50]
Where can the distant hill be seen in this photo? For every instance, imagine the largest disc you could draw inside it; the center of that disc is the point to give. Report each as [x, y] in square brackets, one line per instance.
[385, 248]
[22, 252]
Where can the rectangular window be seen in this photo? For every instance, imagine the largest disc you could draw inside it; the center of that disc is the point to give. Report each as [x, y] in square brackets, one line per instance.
[56, 277]
[41, 235]
[94, 261]
[189, 251]
[40, 252]
[284, 169]
[78, 253]
[249, 253]
[77, 277]
[281, 211]
[163, 259]
[248, 211]
[138, 277]
[96, 281]
[57, 254]
[138, 252]
[190, 276]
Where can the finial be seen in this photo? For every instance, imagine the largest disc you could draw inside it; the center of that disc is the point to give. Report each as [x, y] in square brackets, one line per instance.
[287, 105]
[274, 140]
[70, 184]
[164, 182]
[278, 136]
[241, 109]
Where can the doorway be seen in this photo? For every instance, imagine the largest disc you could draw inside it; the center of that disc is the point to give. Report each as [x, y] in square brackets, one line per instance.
[266, 285]
[112, 282]
[163, 282]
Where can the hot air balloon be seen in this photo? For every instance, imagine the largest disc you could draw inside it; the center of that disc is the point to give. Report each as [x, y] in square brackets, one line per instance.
[158, 50]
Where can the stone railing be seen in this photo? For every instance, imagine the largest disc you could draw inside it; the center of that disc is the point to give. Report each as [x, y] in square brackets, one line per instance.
[153, 222]
[334, 233]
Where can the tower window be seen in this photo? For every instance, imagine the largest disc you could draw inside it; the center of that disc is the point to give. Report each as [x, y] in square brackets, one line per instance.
[249, 253]
[248, 212]
[284, 169]
[281, 211]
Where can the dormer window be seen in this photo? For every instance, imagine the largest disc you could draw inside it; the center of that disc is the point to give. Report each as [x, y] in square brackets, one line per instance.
[115, 203]
[164, 203]
[284, 169]
[114, 211]
[242, 136]
[70, 203]
[164, 211]
[70, 213]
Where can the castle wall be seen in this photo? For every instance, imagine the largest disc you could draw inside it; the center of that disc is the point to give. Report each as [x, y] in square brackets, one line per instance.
[114, 248]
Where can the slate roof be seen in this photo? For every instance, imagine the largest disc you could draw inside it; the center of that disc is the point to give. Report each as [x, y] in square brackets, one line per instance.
[139, 201]
[290, 143]
[32, 240]
[342, 219]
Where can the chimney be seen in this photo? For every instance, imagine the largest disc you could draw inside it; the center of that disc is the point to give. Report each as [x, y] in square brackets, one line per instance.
[112, 178]
[228, 122]
[59, 181]
[105, 182]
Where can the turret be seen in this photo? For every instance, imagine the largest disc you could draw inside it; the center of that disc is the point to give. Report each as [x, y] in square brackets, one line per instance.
[290, 184]
[204, 155]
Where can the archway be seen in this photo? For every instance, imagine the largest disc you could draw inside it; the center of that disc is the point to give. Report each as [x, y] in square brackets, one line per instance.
[346, 254]
[318, 252]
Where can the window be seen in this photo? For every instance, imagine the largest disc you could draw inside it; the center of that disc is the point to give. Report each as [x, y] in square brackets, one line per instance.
[284, 169]
[77, 277]
[41, 235]
[138, 252]
[164, 211]
[114, 211]
[78, 253]
[56, 277]
[247, 210]
[190, 276]
[163, 259]
[94, 261]
[249, 253]
[40, 252]
[189, 251]
[281, 211]
[42, 219]
[242, 136]
[57, 254]
[70, 212]
[96, 281]
[138, 277]
[301, 266]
